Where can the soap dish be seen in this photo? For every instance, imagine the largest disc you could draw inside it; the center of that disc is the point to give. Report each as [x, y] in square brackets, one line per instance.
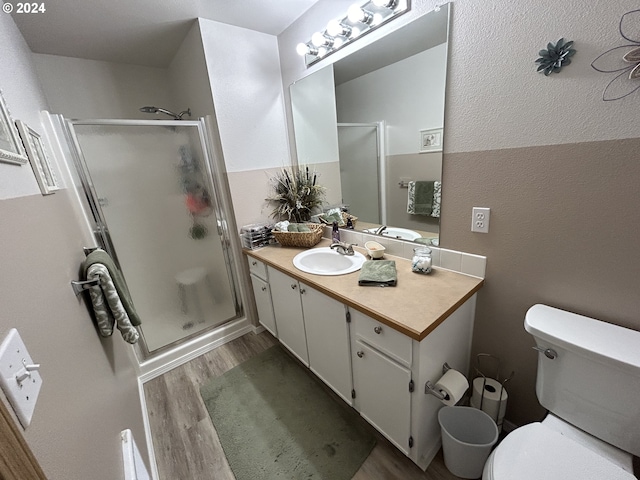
[374, 249]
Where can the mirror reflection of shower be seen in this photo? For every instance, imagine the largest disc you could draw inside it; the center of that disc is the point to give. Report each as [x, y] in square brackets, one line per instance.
[176, 116]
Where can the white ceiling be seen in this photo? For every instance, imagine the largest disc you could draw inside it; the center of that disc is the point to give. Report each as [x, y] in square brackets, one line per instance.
[143, 32]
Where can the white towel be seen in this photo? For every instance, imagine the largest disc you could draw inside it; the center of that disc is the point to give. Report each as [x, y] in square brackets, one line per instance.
[107, 305]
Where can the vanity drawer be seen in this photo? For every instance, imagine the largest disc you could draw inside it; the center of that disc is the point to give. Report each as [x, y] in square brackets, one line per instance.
[384, 338]
[257, 267]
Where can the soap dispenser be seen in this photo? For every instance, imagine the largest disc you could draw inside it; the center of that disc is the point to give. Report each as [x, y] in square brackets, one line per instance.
[335, 235]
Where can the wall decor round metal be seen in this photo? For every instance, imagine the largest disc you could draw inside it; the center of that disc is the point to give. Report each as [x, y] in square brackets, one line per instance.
[555, 57]
[623, 60]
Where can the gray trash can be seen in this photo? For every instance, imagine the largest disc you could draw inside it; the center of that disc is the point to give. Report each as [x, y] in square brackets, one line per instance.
[468, 435]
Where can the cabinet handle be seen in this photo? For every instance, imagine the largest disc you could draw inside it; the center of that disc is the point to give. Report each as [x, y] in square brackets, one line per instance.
[264, 289]
[378, 330]
[293, 286]
[302, 290]
[254, 263]
[360, 354]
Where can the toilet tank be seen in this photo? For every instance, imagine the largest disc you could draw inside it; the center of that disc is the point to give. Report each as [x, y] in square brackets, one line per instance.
[594, 381]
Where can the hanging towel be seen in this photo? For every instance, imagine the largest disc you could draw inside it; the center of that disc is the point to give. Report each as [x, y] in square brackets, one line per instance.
[107, 305]
[378, 273]
[102, 257]
[420, 199]
[437, 195]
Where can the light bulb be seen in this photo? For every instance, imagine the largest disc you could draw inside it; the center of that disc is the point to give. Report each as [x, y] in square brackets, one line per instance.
[306, 49]
[377, 19]
[385, 3]
[337, 29]
[358, 14]
[319, 39]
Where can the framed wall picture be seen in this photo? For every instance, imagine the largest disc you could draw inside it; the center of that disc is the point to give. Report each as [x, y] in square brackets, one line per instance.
[11, 149]
[431, 140]
[38, 158]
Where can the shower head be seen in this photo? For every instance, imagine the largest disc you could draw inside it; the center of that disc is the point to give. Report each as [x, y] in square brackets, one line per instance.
[176, 116]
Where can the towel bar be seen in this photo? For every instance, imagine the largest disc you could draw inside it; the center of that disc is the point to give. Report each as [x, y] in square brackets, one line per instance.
[80, 286]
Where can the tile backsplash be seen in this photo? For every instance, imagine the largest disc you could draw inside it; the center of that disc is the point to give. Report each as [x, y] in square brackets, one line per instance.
[467, 263]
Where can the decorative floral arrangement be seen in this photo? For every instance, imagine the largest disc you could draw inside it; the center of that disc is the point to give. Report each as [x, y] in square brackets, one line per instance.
[296, 196]
[555, 57]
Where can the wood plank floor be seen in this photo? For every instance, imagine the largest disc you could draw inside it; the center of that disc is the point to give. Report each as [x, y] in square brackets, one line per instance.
[185, 441]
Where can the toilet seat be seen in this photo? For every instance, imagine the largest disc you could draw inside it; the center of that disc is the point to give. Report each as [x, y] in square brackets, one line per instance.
[535, 452]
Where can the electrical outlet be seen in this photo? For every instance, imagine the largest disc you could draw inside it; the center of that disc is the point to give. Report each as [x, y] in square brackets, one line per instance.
[19, 376]
[480, 219]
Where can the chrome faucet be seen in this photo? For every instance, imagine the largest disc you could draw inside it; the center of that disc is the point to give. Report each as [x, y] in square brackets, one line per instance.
[380, 229]
[343, 248]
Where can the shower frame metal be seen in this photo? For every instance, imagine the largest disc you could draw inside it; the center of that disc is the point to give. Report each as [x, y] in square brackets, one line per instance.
[100, 229]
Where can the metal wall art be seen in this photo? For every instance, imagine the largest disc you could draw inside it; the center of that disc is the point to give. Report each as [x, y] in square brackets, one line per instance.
[623, 60]
[555, 57]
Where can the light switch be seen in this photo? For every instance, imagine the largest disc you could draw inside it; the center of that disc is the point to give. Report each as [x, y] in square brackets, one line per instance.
[19, 376]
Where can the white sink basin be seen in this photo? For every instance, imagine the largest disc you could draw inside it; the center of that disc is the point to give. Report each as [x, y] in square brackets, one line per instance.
[324, 261]
[395, 232]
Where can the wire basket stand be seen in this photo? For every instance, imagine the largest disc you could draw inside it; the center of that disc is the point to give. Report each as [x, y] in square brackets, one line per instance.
[479, 370]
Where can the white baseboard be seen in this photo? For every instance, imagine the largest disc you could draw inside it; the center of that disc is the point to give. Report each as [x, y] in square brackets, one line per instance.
[154, 367]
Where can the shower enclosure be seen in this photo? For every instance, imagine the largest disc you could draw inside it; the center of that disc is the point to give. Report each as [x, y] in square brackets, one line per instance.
[362, 170]
[151, 191]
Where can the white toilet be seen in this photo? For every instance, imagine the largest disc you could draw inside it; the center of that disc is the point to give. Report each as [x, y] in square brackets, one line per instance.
[589, 380]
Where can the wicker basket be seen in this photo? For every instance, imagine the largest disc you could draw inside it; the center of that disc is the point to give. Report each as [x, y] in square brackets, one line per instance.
[300, 239]
[345, 217]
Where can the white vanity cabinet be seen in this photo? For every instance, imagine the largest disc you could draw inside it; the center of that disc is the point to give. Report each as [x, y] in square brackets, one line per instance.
[376, 350]
[328, 340]
[287, 307]
[262, 294]
[382, 381]
[314, 327]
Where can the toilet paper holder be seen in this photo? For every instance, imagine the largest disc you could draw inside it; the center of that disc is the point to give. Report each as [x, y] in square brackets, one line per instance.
[430, 388]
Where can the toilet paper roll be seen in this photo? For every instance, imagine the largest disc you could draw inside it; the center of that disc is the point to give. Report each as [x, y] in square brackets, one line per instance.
[452, 384]
[493, 403]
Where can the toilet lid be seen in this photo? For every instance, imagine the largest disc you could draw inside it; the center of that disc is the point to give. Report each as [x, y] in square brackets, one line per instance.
[535, 452]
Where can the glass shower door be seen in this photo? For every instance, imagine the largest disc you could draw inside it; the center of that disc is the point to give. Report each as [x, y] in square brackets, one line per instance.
[155, 206]
[359, 149]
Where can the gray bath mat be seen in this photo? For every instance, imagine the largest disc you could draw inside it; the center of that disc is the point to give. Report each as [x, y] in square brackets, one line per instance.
[275, 421]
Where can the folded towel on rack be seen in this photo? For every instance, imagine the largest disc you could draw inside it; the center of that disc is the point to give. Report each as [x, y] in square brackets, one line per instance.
[378, 273]
[420, 197]
[437, 195]
[102, 257]
[108, 308]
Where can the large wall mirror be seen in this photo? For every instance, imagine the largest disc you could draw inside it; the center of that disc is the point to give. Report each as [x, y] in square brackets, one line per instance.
[372, 125]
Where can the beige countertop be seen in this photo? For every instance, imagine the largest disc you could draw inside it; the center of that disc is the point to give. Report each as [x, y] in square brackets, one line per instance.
[415, 307]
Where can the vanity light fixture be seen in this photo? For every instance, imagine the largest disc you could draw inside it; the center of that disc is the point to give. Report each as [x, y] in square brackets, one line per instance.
[385, 3]
[336, 28]
[359, 19]
[357, 14]
[306, 49]
[320, 39]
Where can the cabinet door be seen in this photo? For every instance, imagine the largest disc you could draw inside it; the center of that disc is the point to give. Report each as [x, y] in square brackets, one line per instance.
[327, 330]
[287, 307]
[262, 295]
[382, 393]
